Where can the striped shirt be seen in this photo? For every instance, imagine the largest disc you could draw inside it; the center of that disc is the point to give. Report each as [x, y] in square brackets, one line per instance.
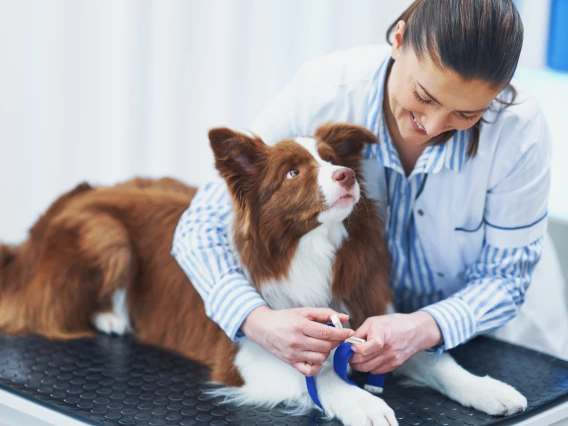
[495, 284]
[203, 249]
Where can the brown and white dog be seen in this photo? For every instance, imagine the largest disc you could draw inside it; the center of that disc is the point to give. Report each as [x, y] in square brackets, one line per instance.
[306, 235]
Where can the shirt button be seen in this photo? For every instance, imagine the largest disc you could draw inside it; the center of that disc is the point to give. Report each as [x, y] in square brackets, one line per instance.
[441, 275]
[421, 212]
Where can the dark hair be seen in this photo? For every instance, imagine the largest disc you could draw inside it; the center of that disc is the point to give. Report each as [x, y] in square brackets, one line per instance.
[476, 39]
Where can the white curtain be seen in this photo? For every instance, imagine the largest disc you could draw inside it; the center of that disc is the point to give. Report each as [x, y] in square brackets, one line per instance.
[104, 90]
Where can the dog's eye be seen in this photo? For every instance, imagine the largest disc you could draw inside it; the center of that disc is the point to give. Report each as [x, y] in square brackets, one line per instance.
[329, 160]
[292, 174]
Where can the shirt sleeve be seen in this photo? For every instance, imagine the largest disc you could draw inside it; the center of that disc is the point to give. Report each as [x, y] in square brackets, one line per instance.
[517, 197]
[202, 248]
[515, 220]
[494, 294]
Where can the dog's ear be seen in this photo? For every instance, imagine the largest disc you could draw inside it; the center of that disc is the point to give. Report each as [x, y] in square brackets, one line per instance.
[238, 158]
[346, 140]
[7, 255]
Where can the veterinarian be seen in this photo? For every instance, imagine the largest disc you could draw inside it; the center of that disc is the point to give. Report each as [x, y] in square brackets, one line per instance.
[461, 174]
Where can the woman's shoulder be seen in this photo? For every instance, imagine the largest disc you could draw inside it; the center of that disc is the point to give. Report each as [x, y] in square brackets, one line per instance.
[521, 122]
[514, 134]
[345, 67]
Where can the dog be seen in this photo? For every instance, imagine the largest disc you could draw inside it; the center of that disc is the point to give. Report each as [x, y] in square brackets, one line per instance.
[306, 234]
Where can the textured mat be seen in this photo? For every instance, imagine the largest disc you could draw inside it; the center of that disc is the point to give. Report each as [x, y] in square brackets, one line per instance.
[115, 381]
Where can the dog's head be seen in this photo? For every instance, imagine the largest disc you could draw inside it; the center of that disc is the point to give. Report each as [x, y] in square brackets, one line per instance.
[295, 185]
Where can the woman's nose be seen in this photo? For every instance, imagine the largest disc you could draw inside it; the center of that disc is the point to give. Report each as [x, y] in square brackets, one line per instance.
[435, 123]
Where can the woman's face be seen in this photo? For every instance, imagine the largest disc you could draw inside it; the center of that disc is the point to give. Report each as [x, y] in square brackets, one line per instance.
[424, 100]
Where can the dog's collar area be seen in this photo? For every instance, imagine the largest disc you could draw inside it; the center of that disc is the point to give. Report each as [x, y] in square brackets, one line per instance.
[341, 358]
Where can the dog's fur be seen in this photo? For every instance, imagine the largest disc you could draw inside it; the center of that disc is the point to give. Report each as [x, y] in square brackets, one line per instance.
[101, 256]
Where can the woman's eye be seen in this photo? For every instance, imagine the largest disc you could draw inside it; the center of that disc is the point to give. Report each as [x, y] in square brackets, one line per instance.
[421, 99]
[468, 117]
[292, 174]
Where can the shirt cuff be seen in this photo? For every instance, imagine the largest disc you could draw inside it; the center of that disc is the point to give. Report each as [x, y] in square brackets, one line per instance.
[455, 319]
[230, 302]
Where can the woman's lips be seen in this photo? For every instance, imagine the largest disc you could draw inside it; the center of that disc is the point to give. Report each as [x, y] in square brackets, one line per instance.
[415, 125]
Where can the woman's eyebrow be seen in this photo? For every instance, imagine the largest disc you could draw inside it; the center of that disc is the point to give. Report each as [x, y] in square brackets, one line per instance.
[438, 102]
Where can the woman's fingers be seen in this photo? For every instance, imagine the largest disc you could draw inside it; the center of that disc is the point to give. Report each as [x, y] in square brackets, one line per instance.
[377, 364]
[384, 368]
[325, 332]
[311, 344]
[373, 331]
[322, 314]
[307, 369]
[313, 357]
[360, 359]
[297, 336]
[364, 328]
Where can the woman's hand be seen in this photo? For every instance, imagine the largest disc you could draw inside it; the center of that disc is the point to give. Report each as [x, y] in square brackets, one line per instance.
[296, 335]
[392, 340]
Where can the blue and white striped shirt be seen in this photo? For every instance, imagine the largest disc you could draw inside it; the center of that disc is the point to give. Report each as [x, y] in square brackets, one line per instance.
[496, 283]
[202, 248]
[491, 287]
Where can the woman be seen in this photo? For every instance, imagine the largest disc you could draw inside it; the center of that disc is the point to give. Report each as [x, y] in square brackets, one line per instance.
[461, 173]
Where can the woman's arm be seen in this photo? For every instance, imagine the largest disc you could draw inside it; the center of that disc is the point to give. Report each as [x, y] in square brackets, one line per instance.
[495, 285]
[202, 248]
[495, 292]
[515, 220]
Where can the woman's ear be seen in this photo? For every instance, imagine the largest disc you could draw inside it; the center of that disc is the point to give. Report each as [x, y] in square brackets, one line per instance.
[398, 39]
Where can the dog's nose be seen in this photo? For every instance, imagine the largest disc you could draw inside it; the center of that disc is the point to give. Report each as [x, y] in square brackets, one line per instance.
[344, 177]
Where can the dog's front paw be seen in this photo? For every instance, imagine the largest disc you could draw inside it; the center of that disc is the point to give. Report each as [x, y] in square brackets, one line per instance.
[363, 409]
[109, 323]
[497, 398]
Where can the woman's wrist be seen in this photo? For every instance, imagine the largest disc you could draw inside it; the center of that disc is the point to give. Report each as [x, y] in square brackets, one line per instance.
[428, 330]
[249, 325]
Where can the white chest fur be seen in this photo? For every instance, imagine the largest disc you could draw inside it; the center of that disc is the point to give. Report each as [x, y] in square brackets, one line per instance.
[309, 279]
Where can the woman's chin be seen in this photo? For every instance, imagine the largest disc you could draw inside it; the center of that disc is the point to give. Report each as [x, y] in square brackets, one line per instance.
[411, 137]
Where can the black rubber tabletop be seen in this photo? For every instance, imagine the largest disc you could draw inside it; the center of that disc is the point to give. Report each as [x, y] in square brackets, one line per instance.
[115, 381]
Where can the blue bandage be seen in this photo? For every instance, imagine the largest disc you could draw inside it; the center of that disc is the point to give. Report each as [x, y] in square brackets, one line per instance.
[341, 358]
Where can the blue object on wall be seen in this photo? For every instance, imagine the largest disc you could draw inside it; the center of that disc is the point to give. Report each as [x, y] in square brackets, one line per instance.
[558, 36]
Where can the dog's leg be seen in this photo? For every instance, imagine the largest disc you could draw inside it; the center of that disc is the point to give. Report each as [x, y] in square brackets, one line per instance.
[269, 381]
[449, 378]
[106, 242]
[350, 404]
[115, 321]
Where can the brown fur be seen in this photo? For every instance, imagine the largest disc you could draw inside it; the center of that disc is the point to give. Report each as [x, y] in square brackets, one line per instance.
[267, 244]
[362, 265]
[93, 241]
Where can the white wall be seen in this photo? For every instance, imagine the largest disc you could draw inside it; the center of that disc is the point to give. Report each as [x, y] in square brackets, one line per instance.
[535, 16]
[105, 90]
